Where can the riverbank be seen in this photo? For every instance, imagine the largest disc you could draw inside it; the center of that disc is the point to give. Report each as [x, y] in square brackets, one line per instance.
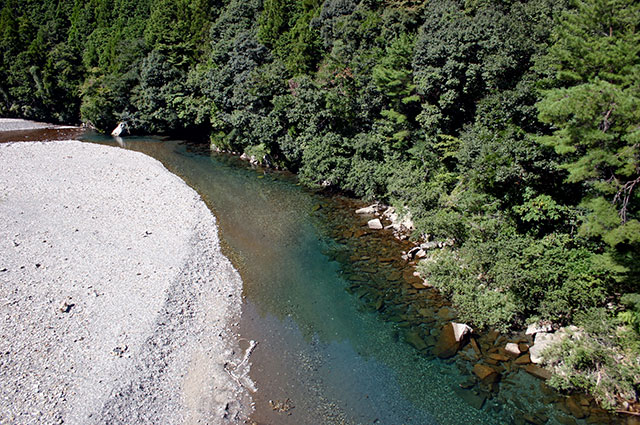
[113, 289]
[16, 124]
[381, 271]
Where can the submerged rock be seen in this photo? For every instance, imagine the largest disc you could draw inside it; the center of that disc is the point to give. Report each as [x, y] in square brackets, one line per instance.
[450, 340]
[416, 341]
[486, 374]
[474, 400]
[538, 371]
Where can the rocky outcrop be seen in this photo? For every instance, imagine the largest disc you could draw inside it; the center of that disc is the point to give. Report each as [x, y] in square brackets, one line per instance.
[543, 340]
[399, 222]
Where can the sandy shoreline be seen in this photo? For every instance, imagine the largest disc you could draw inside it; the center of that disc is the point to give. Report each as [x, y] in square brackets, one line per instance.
[116, 304]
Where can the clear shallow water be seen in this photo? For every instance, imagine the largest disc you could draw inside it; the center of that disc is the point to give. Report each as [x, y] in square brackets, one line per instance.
[321, 356]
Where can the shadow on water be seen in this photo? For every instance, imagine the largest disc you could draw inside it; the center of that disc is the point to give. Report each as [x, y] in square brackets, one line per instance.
[323, 356]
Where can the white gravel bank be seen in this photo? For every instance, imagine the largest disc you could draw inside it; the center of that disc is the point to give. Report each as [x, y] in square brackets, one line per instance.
[115, 300]
[14, 124]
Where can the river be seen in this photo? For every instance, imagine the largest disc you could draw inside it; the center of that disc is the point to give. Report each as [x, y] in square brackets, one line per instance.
[324, 354]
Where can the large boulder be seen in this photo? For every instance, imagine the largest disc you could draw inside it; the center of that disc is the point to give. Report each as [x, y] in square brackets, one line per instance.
[450, 340]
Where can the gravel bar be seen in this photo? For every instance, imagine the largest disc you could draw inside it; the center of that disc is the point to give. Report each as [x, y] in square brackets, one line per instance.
[116, 303]
[14, 124]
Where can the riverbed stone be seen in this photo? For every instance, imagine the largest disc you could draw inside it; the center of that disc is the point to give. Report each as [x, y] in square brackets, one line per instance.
[446, 313]
[523, 360]
[512, 349]
[575, 407]
[450, 339]
[475, 346]
[486, 374]
[471, 398]
[370, 210]
[414, 339]
[499, 357]
[537, 371]
[374, 224]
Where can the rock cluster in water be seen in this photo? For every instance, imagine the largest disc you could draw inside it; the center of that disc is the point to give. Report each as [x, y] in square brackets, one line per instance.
[379, 263]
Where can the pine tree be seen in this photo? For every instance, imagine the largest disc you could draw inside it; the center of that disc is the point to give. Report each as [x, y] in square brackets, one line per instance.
[593, 109]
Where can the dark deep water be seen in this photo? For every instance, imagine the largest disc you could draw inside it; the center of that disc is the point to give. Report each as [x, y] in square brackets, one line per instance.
[323, 355]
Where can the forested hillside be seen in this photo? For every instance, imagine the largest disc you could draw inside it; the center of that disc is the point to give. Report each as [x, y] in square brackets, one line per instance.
[510, 128]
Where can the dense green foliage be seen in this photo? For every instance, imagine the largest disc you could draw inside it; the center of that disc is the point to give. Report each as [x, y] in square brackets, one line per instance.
[511, 128]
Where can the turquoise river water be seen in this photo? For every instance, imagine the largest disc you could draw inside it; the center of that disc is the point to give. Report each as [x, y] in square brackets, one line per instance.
[321, 357]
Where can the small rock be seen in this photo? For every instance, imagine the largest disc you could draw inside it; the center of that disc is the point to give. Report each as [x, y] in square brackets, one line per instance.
[536, 328]
[474, 400]
[421, 253]
[413, 251]
[119, 350]
[375, 224]
[446, 313]
[281, 406]
[66, 306]
[120, 130]
[498, 357]
[416, 341]
[512, 349]
[467, 384]
[575, 408]
[475, 347]
[429, 245]
[370, 210]
[460, 330]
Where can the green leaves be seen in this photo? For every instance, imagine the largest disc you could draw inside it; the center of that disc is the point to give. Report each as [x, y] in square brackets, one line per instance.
[594, 111]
